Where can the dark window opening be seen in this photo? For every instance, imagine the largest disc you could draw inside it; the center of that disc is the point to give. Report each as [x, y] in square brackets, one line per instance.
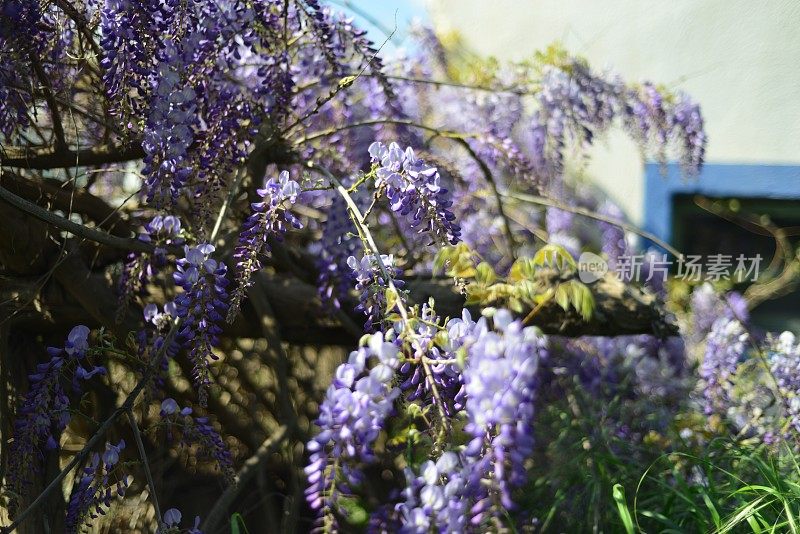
[696, 230]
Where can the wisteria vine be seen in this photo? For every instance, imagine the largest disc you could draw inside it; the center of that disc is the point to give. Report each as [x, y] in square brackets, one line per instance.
[271, 136]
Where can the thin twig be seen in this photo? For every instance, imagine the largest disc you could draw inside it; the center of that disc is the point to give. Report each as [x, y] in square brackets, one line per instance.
[55, 115]
[447, 83]
[343, 84]
[145, 465]
[228, 201]
[363, 228]
[549, 202]
[250, 468]
[487, 174]
[373, 122]
[80, 22]
[459, 138]
[74, 228]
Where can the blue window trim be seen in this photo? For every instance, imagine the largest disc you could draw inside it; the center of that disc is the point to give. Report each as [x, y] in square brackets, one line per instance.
[721, 180]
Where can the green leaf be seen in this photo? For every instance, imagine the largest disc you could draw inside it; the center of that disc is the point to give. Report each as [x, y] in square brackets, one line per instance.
[522, 269]
[484, 274]
[711, 509]
[391, 299]
[582, 299]
[562, 296]
[622, 508]
[554, 256]
[461, 357]
[237, 524]
[442, 258]
[456, 259]
[356, 515]
[347, 81]
[754, 525]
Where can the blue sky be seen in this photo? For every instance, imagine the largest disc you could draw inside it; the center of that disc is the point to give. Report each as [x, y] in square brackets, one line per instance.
[384, 13]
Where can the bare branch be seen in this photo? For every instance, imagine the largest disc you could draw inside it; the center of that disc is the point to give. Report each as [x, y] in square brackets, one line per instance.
[73, 227]
[48, 158]
[50, 192]
[145, 465]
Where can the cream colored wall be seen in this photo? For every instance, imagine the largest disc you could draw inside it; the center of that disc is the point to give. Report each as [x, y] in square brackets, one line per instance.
[739, 58]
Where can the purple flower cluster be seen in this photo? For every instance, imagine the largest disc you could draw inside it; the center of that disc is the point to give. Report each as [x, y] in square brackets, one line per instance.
[448, 375]
[726, 345]
[505, 152]
[270, 218]
[688, 126]
[45, 409]
[351, 416]
[95, 488]
[707, 305]
[497, 393]
[125, 39]
[337, 245]
[501, 381]
[612, 242]
[162, 231]
[170, 129]
[577, 104]
[202, 306]
[371, 285]
[655, 119]
[197, 78]
[434, 498]
[20, 36]
[414, 191]
[784, 359]
[199, 431]
[172, 520]
[324, 30]
[573, 100]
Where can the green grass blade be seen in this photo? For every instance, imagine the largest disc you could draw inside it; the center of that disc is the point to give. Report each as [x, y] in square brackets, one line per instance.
[622, 507]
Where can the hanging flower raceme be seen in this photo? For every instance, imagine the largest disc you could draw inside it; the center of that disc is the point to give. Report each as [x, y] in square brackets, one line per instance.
[21, 37]
[162, 231]
[198, 430]
[784, 360]
[435, 497]
[655, 118]
[45, 409]
[202, 307]
[99, 482]
[371, 285]
[170, 129]
[271, 218]
[726, 345]
[337, 244]
[496, 391]
[352, 415]
[501, 382]
[128, 29]
[414, 191]
[447, 376]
